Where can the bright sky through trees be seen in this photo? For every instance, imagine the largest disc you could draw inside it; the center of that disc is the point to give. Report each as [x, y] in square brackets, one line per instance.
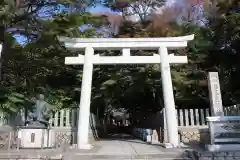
[101, 8]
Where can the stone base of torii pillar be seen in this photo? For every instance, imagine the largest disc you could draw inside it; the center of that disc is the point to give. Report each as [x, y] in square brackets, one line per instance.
[92, 135]
[91, 140]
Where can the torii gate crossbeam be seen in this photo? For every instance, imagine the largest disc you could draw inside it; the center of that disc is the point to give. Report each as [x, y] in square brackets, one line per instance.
[126, 44]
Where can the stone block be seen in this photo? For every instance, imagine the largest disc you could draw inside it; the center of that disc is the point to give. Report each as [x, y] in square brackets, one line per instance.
[219, 154]
[224, 155]
[63, 138]
[219, 158]
[36, 138]
[229, 154]
[229, 158]
[57, 156]
[149, 138]
[205, 158]
[155, 137]
[207, 154]
[237, 154]
[194, 135]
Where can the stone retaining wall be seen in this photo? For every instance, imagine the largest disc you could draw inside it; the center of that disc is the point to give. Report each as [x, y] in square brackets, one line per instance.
[187, 135]
[9, 139]
[194, 135]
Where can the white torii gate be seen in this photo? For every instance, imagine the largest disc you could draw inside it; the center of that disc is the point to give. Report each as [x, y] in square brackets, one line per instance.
[126, 44]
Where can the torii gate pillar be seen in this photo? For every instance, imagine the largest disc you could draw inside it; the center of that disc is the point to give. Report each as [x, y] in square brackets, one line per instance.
[85, 101]
[169, 103]
[160, 44]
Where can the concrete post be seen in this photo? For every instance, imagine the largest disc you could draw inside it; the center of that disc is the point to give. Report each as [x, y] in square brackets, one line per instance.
[169, 103]
[84, 111]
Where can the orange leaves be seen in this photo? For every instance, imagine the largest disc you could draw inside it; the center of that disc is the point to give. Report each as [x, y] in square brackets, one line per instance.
[112, 18]
[136, 35]
[160, 25]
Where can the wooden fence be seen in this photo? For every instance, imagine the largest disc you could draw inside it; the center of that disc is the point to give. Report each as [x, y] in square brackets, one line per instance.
[186, 117]
[67, 118]
[197, 117]
[192, 117]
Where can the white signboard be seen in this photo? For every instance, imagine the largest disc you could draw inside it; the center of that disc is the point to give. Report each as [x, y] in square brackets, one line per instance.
[215, 94]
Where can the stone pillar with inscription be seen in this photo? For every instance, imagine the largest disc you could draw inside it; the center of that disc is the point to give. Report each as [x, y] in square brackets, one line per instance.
[215, 94]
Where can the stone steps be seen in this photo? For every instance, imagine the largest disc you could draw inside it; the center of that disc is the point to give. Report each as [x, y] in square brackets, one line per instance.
[96, 154]
[223, 155]
[75, 156]
[162, 156]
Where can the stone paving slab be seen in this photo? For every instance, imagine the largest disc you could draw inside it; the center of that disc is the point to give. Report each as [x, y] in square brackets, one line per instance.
[143, 148]
[127, 149]
[115, 147]
[148, 159]
[160, 157]
[132, 147]
[106, 149]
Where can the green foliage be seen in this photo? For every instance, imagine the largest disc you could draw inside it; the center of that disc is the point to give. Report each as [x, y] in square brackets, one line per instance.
[11, 101]
[69, 25]
[225, 34]
[39, 67]
[215, 48]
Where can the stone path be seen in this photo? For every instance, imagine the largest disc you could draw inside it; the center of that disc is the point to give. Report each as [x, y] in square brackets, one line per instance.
[129, 148]
[123, 148]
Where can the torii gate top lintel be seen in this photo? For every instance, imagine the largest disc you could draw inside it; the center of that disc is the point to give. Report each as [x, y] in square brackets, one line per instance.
[125, 44]
[132, 43]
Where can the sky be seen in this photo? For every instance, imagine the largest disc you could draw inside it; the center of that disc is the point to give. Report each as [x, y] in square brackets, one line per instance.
[101, 8]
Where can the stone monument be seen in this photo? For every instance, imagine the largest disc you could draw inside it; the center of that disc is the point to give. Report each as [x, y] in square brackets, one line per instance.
[216, 107]
[36, 132]
[215, 94]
